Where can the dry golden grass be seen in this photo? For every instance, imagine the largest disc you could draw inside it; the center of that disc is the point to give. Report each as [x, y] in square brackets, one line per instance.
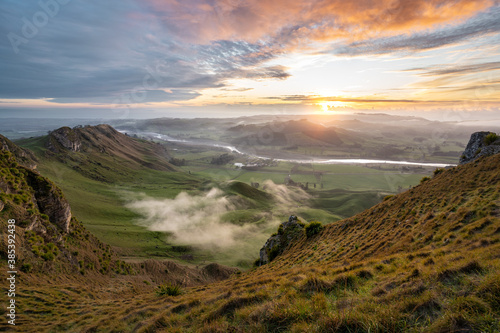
[427, 260]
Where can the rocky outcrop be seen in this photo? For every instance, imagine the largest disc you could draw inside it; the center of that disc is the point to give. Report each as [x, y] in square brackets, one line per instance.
[64, 137]
[481, 144]
[50, 200]
[82, 144]
[288, 231]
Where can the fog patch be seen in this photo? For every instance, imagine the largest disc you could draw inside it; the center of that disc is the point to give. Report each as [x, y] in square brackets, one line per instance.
[191, 219]
[196, 220]
[286, 198]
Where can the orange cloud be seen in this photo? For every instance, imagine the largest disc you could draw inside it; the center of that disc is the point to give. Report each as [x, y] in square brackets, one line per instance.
[296, 22]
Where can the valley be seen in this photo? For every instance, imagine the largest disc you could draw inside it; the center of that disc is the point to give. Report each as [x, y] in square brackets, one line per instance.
[102, 181]
[215, 166]
[419, 256]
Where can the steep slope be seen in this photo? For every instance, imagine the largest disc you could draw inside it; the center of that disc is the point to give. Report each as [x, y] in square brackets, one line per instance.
[98, 168]
[59, 263]
[96, 150]
[23, 156]
[426, 260]
[48, 238]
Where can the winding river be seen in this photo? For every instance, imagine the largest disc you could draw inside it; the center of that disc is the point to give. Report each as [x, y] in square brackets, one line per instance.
[233, 149]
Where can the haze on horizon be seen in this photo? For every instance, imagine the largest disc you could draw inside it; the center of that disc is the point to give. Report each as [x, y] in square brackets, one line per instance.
[209, 58]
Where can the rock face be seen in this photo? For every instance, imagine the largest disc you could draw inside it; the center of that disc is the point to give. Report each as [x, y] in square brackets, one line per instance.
[288, 231]
[66, 137]
[50, 201]
[480, 144]
[28, 195]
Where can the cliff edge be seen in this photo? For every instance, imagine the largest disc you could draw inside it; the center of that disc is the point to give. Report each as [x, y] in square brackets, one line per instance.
[481, 144]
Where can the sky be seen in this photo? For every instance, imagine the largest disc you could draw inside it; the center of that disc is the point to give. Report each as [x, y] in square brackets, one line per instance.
[153, 58]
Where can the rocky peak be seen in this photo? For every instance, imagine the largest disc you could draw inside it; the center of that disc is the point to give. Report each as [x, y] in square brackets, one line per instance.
[481, 144]
[288, 231]
[65, 137]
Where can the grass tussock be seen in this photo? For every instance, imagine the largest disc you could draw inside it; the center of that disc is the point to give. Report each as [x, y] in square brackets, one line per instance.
[169, 290]
[472, 267]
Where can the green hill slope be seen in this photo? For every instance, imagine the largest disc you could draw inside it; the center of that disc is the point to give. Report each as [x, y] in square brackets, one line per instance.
[58, 262]
[426, 260]
[48, 239]
[98, 167]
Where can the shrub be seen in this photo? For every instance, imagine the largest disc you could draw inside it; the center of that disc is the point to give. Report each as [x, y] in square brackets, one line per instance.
[313, 284]
[49, 256]
[438, 171]
[256, 263]
[26, 268]
[313, 228]
[274, 252]
[387, 197]
[345, 282]
[423, 180]
[169, 289]
[490, 138]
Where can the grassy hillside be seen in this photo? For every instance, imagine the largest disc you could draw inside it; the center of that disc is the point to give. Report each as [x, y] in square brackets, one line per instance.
[98, 177]
[48, 239]
[58, 260]
[101, 170]
[424, 260]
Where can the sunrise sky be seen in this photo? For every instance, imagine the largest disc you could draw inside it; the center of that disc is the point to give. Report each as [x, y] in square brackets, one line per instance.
[151, 58]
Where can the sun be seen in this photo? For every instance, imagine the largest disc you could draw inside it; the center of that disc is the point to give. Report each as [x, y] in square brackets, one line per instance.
[327, 106]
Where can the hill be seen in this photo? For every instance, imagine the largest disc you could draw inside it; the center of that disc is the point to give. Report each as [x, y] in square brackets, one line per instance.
[49, 239]
[287, 133]
[105, 179]
[56, 258]
[425, 260]
[98, 168]
[100, 152]
[23, 156]
[336, 135]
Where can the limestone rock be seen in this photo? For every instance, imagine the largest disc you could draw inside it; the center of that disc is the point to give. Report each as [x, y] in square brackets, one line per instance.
[478, 147]
[288, 232]
[65, 137]
[50, 201]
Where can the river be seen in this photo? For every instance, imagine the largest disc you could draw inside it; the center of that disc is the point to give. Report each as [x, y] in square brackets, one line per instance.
[233, 149]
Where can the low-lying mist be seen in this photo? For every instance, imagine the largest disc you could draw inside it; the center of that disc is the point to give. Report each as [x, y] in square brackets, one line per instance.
[196, 220]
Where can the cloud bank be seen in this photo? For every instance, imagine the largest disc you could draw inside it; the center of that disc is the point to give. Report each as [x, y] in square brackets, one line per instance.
[193, 220]
[197, 220]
